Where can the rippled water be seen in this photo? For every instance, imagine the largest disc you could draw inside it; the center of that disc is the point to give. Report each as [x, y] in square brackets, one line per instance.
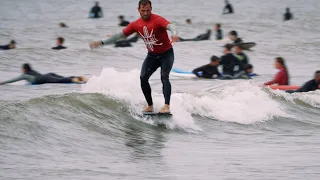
[220, 129]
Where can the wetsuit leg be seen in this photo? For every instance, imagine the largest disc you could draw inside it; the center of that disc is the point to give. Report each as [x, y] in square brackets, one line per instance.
[166, 66]
[149, 66]
[55, 75]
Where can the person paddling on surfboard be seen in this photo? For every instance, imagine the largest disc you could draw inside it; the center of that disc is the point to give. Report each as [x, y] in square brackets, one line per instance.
[152, 29]
[311, 85]
[34, 77]
[282, 77]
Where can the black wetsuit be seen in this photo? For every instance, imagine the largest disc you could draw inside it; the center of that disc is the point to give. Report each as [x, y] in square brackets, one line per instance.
[311, 85]
[287, 16]
[149, 66]
[59, 47]
[52, 78]
[97, 12]
[243, 60]
[124, 23]
[5, 47]
[228, 62]
[208, 71]
[238, 41]
[229, 8]
[219, 34]
[201, 37]
[127, 42]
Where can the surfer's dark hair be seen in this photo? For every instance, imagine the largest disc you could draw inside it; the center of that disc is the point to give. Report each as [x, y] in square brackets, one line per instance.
[144, 3]
[27, 67]
[316, 73]
[281, 61]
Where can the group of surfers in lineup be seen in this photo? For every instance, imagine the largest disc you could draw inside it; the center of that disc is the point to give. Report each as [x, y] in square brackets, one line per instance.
[152, 29]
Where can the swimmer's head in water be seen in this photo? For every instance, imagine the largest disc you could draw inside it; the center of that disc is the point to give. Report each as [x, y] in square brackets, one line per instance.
[26, 67]
[60, 41]
[248, 68]
[233, 35]
[317, 76]
[237, 49]
[121, 17]
[145, 8]
[63, 25]
[288, 9]
[188, 21]
[214, 60]
[12, 44]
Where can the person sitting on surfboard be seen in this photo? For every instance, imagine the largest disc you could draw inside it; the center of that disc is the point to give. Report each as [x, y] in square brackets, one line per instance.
[228, 61]
[228, 9]
[311, 85]
[153, 30]
[34, 77]
[233, 36]
[210, 70]
[219, 34]
[288, 15]
[282, 77]
[201, 37]
[96, 11]
[243, 59]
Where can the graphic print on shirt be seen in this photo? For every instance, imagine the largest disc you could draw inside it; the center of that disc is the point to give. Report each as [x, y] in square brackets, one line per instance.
[149, 39]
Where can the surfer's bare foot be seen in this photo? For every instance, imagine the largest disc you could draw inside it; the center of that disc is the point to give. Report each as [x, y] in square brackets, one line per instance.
[165, 109]
[76, 80]
[148, 109]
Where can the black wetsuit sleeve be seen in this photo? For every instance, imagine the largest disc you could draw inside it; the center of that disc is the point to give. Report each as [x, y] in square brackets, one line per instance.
[308, 86]
[199, 69]
[5, 47]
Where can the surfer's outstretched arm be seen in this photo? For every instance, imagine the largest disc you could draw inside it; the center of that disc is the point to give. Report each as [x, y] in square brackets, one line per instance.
[111, 40]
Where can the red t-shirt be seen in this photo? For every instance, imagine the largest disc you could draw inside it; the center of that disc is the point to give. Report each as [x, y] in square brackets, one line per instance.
[280, 79]
[152, 31]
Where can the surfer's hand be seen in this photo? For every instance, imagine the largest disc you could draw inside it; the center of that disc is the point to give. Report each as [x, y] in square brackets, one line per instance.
[95, 44]
[174, 39]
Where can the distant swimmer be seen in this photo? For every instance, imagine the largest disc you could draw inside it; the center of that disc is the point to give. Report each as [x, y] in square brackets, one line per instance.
[11, 45]
[243, 59]
[288, 15]
[219, 34]
[228, 61]
[233, 36]
[34, 77]
[311, 85]
[282, 77]
[201, 37]
[210, 70]
[228, 9]
[60, 41]
[153, 30]
[123, 22]
[96, 11]
[62, 25]
[188, 21]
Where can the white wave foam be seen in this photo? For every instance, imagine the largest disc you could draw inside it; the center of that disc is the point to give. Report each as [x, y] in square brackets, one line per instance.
[312, 98]
[126, 86]
[241, 102]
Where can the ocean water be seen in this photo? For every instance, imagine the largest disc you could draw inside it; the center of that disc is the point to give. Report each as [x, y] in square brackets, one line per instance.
[219, 129]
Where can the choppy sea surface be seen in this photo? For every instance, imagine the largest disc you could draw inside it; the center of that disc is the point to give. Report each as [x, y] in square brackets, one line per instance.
[219, 129]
